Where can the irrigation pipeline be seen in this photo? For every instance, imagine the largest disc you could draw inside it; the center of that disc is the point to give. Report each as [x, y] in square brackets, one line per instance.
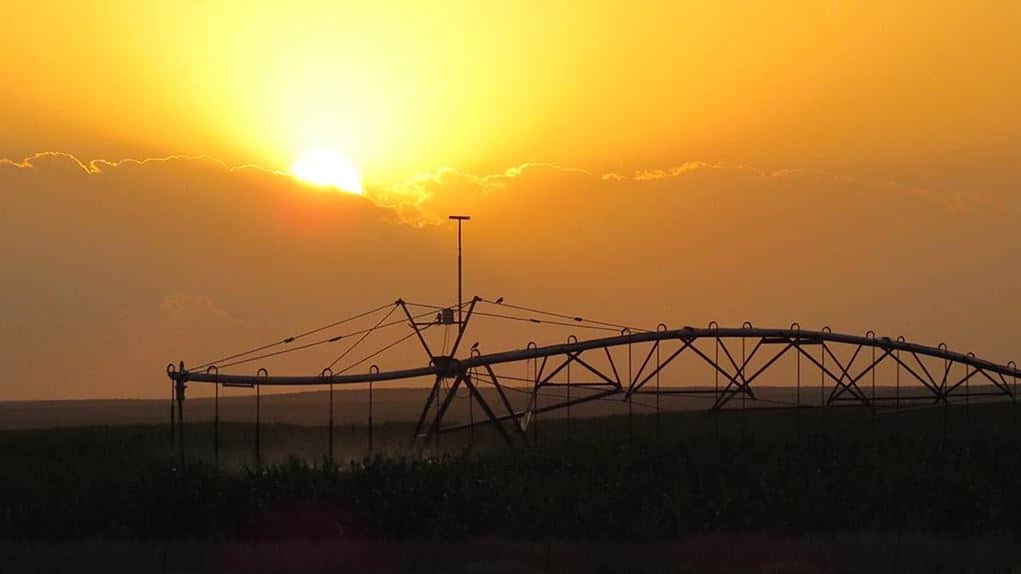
[606, 383]
[687, 334]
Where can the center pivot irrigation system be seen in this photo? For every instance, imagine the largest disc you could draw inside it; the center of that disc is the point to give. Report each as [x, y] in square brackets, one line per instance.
[627, 365]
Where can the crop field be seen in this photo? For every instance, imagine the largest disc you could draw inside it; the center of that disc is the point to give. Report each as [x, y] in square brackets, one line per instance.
[924, 475]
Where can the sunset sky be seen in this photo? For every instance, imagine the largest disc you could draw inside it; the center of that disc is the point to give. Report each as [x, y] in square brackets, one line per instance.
[851, 164]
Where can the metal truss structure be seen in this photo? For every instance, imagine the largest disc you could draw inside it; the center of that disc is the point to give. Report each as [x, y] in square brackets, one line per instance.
[845, 365]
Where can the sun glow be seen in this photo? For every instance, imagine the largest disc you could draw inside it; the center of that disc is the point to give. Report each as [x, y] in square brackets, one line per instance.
[328, 169]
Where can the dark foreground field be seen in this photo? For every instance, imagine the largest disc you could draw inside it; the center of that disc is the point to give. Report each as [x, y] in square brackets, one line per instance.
[872, 552]
[840, 490]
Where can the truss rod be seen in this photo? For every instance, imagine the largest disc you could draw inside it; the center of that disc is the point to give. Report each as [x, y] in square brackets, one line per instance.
[607, 343]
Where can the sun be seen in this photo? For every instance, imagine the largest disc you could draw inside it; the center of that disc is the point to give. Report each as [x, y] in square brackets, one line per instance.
[327, 168]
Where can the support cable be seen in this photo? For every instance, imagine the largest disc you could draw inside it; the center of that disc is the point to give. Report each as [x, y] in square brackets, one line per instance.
[380, 351]
[438, 307]
[292, 338]
[574, 318]
[544, 321]
[321, 342]
[363, 337]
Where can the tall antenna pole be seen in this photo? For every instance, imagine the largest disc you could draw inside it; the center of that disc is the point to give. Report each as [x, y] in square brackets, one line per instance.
[459, 219]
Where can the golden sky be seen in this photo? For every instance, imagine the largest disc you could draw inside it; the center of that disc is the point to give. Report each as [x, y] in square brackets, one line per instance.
[710, 156]
[404, 87]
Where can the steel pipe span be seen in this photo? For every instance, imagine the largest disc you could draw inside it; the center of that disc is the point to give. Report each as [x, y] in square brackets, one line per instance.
[794, 337]
[732, 377]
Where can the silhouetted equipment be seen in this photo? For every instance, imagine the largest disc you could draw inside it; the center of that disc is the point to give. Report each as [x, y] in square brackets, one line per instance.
[736, 357]
[460, 219]
[445, 317]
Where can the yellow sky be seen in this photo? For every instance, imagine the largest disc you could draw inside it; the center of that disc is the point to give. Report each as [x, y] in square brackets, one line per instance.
[405, 87]
[850, 164]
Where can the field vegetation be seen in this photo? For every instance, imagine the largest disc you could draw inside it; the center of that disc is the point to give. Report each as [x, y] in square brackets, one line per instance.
[643, 479]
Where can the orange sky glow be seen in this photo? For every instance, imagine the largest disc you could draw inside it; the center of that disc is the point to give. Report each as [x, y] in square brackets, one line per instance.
[172, 174]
